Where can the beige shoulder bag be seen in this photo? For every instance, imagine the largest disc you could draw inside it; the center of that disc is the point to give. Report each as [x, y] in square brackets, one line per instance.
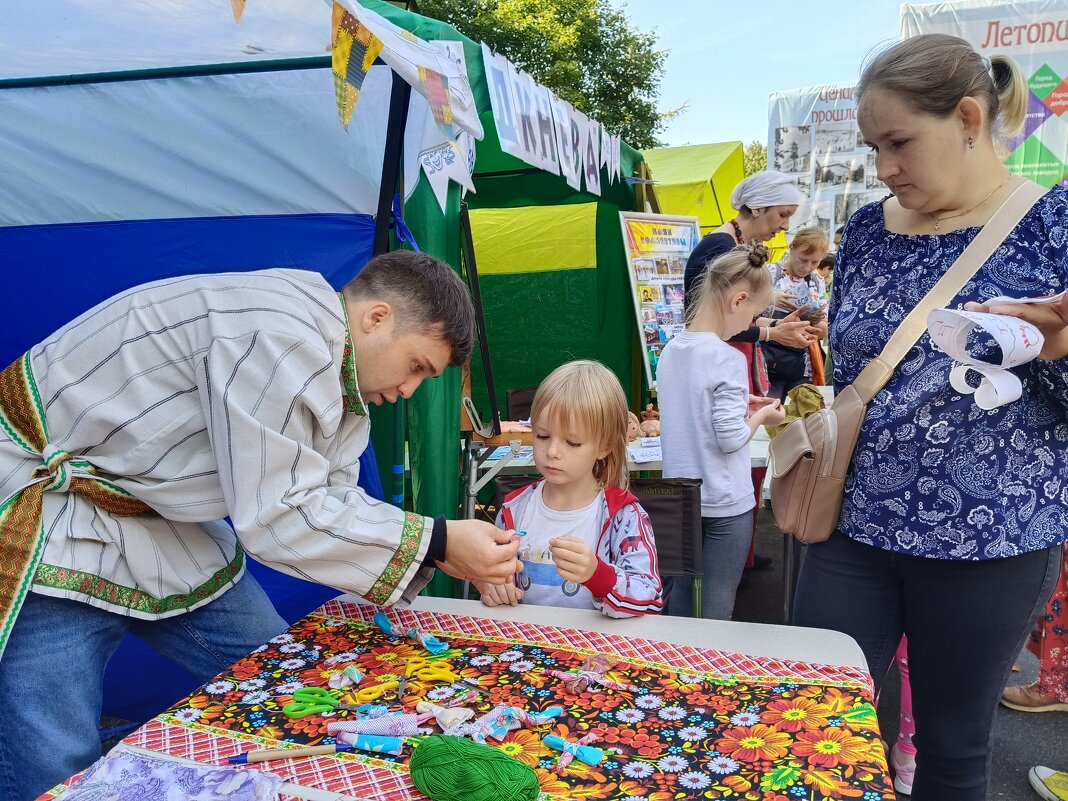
[811, 456]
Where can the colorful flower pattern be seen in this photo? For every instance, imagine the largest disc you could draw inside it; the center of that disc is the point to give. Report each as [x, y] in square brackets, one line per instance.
[681, 735]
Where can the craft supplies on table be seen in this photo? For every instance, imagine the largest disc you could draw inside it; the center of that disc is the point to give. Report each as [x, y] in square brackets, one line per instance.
[686, 723]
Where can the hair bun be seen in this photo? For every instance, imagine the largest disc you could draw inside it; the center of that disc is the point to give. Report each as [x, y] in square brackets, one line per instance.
[758, 254]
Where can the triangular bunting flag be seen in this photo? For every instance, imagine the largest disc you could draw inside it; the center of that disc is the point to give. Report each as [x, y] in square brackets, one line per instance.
[354, 49]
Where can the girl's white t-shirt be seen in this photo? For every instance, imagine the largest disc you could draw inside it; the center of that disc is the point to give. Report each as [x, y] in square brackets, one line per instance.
[540, 581]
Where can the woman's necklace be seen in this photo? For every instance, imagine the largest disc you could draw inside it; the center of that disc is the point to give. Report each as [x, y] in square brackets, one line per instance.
[939, 220]
[737, 232]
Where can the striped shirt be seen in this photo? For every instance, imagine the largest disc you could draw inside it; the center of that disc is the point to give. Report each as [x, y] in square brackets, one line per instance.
[205, 397]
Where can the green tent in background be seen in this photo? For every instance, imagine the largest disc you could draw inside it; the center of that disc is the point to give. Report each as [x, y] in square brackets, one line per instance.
[696, 180]
[544, 305]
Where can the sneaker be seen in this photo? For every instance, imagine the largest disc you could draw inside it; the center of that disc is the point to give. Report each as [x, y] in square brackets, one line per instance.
[1049, 784]
[904, 769]
[1029, 699]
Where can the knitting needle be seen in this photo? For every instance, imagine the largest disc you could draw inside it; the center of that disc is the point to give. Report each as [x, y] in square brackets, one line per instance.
[287, 753]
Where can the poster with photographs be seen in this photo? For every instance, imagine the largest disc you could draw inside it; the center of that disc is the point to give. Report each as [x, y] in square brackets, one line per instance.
[657, 247]
[813, 137]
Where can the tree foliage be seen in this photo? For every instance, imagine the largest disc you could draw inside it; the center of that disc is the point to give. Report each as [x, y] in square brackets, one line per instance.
[583, 50]
[755, 158]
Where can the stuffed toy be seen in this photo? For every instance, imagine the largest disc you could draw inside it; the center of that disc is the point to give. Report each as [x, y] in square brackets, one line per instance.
[649, 413]
[651, 428]
[633, 427]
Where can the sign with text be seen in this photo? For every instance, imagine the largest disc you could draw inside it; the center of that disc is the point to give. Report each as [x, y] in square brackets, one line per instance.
[657, 247]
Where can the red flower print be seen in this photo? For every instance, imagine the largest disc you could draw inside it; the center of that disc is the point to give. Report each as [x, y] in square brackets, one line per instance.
[795, 714]
[750, 743]
[831, 747]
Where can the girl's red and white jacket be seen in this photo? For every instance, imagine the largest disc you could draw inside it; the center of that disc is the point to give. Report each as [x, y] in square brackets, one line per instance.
[626, 582]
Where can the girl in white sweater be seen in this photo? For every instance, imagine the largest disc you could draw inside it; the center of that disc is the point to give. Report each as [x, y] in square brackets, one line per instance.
[707, 418]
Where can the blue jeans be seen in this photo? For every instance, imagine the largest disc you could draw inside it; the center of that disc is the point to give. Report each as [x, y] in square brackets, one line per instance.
[51, 674]
[726, 547]
[966, 623]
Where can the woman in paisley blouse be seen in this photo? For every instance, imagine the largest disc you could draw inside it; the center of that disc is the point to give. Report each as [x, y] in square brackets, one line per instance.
[952, 514]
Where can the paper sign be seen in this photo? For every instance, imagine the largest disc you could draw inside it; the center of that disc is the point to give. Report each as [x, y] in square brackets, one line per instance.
[1019, 341]
[591, 156]
[570, 159]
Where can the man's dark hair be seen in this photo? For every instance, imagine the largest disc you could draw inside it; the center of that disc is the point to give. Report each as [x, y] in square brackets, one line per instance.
[426, 294]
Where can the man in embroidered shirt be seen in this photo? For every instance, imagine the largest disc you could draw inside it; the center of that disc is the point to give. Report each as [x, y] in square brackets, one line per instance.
[130, 434]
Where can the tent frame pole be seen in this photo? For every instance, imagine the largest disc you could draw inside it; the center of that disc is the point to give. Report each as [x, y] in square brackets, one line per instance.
[397, 121]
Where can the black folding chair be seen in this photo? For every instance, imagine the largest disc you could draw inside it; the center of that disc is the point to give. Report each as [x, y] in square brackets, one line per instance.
[674, 509]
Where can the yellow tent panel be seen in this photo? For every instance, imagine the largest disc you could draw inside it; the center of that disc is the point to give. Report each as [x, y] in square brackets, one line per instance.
[696, 180]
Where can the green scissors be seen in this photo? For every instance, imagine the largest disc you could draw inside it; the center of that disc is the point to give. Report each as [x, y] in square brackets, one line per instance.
[313, 701]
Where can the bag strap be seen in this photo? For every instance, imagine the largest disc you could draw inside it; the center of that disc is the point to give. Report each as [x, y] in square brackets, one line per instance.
[878, 371]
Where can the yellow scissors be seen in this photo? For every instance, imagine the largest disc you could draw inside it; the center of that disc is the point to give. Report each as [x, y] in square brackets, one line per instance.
[367, 694]
[424, 670]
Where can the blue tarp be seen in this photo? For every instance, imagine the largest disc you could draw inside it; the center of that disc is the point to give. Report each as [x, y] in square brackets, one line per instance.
[53, 273]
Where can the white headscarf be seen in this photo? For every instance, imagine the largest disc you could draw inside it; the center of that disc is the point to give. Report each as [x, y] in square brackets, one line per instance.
[768, 188]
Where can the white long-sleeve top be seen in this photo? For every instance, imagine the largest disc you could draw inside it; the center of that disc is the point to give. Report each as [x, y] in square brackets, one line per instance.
[206, 397]
[703, 393]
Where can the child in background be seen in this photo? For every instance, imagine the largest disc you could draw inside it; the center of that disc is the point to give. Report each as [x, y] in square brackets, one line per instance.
[588, 543]
[707, 418]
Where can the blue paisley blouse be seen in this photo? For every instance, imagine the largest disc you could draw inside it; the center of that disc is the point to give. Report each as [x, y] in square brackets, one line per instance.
[933, 474]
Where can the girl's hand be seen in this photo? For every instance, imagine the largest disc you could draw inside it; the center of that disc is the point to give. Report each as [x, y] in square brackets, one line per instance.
[1049, 318]
[499, 594]
[574, 559]
[770, 415]
[759, 402]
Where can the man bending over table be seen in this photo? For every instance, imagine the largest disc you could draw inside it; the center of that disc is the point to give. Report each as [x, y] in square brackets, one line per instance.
[128, 435]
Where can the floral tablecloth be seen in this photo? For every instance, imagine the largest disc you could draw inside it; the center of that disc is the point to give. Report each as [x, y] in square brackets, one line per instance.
[700, 724]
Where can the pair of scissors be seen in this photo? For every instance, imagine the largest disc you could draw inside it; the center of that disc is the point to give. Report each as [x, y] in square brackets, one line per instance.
[424, 670]
[313, 701]
[375, 691]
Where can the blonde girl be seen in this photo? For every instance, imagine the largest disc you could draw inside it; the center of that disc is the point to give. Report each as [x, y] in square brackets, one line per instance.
[707, 418]
[588, 543]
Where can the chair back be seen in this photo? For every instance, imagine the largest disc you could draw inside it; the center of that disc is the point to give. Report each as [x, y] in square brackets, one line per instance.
[674, 509]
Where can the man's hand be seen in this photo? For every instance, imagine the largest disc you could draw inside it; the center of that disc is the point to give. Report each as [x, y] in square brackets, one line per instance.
[479, 551]
[1049, 318]
[574, 559]
[499, 594]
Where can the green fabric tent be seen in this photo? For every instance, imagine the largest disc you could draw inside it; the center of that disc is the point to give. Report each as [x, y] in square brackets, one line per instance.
[535, 319]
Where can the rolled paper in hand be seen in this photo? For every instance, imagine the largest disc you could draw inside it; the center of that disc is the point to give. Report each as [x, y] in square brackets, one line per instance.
[583, 753]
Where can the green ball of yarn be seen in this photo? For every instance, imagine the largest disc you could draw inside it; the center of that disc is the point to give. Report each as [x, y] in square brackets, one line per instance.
[456, 769]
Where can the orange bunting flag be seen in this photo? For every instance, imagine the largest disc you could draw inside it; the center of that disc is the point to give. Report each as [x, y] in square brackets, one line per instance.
[354, 49]
[239, 8]
[436, 90]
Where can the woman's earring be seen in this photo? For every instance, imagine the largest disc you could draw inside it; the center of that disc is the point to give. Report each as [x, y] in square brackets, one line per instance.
[971, 143]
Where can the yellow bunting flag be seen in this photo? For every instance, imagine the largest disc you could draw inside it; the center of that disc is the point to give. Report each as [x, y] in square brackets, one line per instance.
[239, 8]
[354, 49]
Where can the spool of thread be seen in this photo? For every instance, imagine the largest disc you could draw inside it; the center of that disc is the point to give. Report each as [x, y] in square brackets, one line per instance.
[456, 769]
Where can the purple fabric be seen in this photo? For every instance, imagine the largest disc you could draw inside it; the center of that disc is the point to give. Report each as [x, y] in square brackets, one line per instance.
[133, 776]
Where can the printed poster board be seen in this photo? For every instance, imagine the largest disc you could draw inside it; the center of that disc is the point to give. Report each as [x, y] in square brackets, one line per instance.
[657, 247]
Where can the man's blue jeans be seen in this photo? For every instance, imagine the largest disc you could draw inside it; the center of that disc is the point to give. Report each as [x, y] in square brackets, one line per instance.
[51, 674]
